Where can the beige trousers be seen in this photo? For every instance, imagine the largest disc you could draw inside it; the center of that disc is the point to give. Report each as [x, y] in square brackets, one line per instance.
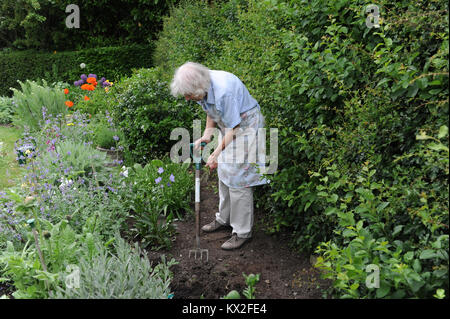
[236, 209]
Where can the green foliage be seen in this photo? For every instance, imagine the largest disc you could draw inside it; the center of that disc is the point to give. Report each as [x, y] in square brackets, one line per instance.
[110, 62]
[41, 24]
[250, 280]
[125, 274]
[61, 248]
[81, 159]
[194, 31]
[160, 192]
[33, 100]
[6, 110]
[249, 292]
[104, 133]
[408, 244]
[348, 102]
[146, 113]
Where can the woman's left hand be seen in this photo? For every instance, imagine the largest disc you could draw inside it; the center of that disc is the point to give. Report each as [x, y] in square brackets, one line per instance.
[212, 161]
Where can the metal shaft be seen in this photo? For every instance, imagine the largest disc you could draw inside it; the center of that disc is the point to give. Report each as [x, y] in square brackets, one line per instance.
[197, 207]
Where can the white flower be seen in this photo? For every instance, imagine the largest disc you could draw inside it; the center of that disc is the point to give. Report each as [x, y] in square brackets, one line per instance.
[82, 65]
[124, 171]
[65, 183]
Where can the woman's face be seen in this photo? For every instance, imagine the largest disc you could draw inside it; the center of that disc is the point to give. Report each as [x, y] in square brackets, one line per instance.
[189, 97]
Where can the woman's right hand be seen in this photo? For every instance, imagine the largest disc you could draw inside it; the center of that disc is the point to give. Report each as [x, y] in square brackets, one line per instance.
[200, 140]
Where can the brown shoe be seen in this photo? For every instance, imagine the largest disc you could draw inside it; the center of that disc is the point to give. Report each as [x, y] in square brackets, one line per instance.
[234, 242]
[213, 226]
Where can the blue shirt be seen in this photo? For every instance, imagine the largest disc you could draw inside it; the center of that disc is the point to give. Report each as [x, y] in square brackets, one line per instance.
[228, 96]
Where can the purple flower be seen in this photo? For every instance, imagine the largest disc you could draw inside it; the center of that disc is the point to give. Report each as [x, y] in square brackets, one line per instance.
[172, 178]
[116, 138]
[158, 180]
[92, 76]
[69, 153]
[160, 170]
[83, 77]
[168, 184]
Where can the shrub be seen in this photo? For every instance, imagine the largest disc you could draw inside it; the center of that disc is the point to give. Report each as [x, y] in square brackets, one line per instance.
[125, 274]
[344, 97]
[35, 102]
[110, 62]
[7, 108]
[194, 31]
[160, 192]
[146, 113]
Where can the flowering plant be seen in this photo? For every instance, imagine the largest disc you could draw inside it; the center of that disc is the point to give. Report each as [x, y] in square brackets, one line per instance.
[160, 192]
[90, 82]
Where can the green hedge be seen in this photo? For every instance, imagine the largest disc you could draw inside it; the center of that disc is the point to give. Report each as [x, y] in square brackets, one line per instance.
[362, 116]
[146, 113]
[109, 62]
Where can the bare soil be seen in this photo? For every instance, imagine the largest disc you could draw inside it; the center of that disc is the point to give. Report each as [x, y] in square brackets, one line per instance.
[284, 274]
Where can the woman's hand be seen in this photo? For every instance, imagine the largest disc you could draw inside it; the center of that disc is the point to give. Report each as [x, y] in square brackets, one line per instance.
[212, 161]
[200, 140]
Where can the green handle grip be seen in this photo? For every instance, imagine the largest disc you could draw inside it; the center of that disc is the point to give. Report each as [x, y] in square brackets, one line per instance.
[196, 160]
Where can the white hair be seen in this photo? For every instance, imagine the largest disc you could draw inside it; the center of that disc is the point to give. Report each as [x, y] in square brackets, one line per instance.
[190, 79]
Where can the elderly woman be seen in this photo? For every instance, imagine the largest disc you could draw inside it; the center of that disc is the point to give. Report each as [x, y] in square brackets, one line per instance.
[228, 105]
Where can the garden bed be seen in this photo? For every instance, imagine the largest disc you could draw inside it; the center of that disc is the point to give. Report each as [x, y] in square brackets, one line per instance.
[283, 274]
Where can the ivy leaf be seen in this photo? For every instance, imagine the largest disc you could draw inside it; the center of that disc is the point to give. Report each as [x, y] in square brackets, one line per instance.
[427, 254]
[443, 131]
[383, 290]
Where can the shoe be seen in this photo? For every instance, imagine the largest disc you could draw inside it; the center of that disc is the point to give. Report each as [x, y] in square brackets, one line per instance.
[234, 242]
[213, 226]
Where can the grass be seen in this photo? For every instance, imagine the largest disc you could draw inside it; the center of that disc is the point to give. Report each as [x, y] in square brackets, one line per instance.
[10, 170]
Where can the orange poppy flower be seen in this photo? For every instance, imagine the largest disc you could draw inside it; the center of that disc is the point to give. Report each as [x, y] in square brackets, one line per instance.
[91, 80]
[69, 103]
[66, 91]
[86, 98]
[88, 87]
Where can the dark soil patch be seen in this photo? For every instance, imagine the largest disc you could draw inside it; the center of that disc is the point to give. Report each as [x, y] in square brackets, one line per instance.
[6, 289]
[283, 273]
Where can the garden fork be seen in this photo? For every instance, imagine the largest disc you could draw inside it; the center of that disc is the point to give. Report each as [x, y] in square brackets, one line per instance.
[197, 251]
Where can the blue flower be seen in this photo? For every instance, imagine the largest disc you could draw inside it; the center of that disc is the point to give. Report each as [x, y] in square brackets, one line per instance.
[160, 170]
[158, 180]
[172, 178]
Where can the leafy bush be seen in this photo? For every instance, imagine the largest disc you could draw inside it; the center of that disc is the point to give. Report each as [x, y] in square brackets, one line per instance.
[146, 113]
[35, 101]
[110, 62]
[160, 192]
[344, 98]
[6, 110]
[124, 274]
[41, 24]
[74, 159]
[194, 31]
[104, 133]
[61, 247]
